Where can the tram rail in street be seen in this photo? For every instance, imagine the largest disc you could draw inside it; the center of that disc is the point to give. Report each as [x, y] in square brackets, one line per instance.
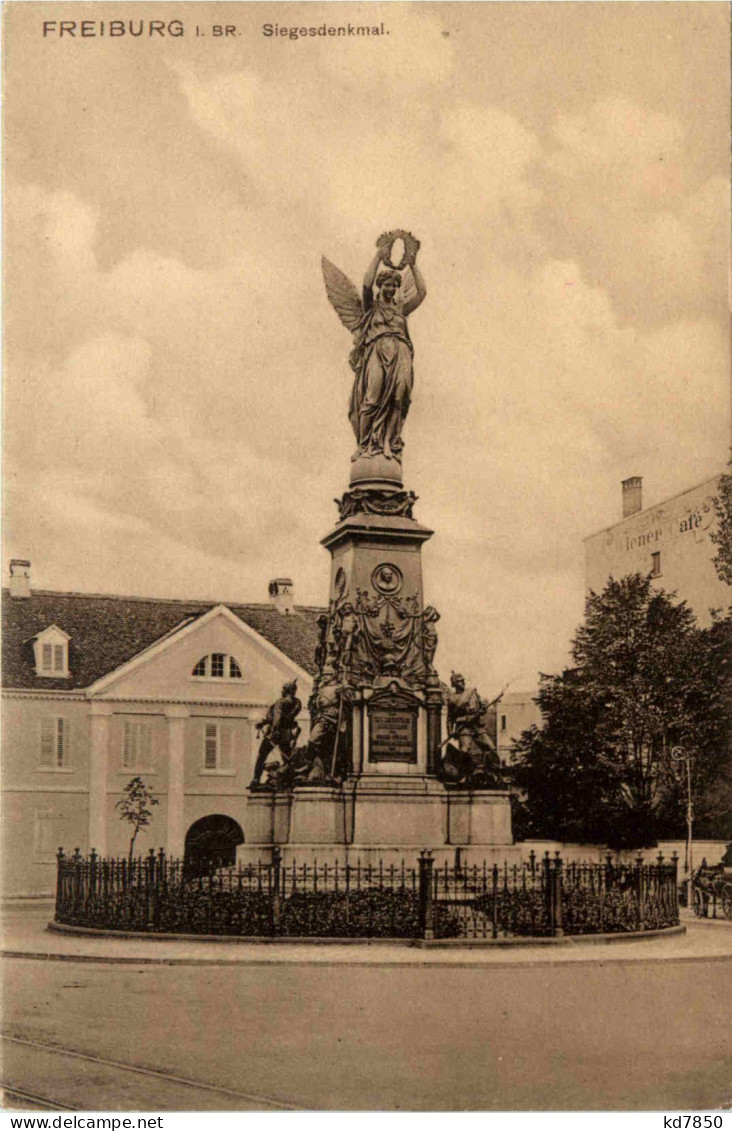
[253, 1101]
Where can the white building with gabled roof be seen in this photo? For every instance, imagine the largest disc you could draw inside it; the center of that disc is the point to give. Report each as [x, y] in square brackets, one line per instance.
[99, 689]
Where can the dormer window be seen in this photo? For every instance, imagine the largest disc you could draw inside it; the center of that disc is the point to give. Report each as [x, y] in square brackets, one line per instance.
[218, 665]
[51, 652]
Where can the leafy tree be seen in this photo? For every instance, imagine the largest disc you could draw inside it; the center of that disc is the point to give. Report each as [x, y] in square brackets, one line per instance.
[645, 679]
[722, 536]
[135, 807]
[710, 742]
[564, 783]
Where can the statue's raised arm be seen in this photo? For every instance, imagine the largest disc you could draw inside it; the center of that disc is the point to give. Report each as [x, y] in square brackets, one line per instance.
[382, 357]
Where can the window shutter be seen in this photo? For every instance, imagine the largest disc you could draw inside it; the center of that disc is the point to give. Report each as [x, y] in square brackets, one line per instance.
[47, 658]
[136, 744]
[227, 746]
[145, 741]
[128, 756]
[63, 751]
[210, 746]
[48, 735]
[58, 658]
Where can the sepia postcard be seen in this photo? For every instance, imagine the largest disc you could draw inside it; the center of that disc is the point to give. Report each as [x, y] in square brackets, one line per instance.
[366, 576]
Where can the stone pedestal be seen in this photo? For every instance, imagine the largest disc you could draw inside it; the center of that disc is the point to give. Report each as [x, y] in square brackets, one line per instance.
[363, 544]
[479, 817]
[399, 811]
[267, 823]
[281, 818]
[260, 817]
[381, 818]
[376, 471]
[318, 816]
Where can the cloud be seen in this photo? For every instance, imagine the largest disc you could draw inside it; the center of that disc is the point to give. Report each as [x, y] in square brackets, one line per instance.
[434, 153]
[621, 198]
[177, 390]
[625, 143]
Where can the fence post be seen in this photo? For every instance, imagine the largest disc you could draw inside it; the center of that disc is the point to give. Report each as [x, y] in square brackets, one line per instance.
[675, 866]
[557, 889]
[426, 907]
[548, 892]
[494, 901]
[640, 892]
[76, 859]
[60, 859]
[276, 887]
[92, 876]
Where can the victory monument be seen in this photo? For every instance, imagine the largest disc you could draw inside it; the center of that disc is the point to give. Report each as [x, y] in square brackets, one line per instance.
[396, 761]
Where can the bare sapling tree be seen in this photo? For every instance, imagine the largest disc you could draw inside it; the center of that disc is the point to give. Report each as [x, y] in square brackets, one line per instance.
[136, 807]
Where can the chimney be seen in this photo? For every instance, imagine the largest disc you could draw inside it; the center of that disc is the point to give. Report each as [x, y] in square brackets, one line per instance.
[632, 496]
[20, 578]
[281, 595]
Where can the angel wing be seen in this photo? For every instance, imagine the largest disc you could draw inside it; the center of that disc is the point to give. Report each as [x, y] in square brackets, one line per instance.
[342, 295]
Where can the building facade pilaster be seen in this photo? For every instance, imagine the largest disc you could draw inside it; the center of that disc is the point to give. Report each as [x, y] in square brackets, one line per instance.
[100, 715]
[176, 720]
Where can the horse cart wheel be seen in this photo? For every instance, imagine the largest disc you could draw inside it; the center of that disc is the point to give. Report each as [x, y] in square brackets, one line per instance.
[699, 904]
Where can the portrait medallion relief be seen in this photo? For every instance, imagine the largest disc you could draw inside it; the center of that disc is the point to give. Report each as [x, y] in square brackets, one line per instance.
[387, 579]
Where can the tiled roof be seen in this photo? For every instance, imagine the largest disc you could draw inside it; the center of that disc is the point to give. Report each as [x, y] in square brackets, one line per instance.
[108, 631]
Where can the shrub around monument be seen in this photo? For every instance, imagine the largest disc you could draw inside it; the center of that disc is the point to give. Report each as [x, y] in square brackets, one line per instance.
[374, 913]
[179, 909]
[587, 913]
[192, 910]
[519, 912]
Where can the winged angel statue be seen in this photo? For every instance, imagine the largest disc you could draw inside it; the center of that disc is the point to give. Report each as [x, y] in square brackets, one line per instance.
[382, 356]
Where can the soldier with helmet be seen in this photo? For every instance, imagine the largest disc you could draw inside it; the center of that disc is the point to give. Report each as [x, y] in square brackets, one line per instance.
[281, 729]
[471, 753]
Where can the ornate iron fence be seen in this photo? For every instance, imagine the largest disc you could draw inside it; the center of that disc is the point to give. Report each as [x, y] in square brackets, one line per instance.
[156, 894]
[543, 898]
[548, 898]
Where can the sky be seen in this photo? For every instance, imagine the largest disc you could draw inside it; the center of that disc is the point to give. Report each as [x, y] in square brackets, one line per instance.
[176, 384]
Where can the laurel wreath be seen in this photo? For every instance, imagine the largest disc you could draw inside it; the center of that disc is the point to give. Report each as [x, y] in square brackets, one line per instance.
[411, 247]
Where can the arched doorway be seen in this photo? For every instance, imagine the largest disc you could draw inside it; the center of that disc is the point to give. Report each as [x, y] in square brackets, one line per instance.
[211, 843]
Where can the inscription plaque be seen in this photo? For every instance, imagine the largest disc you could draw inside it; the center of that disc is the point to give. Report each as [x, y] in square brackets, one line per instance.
[393, 735]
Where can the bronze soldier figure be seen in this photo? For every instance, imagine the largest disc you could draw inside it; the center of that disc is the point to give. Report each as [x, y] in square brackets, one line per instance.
[281, 729]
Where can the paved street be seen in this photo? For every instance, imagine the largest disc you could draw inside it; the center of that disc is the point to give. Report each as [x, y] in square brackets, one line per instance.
[607, 1032]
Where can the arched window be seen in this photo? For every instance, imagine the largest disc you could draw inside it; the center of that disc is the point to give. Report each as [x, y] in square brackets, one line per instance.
[218, 665]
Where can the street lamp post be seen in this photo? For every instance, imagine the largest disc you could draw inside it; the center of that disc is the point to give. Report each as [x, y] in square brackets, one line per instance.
[683, 754]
